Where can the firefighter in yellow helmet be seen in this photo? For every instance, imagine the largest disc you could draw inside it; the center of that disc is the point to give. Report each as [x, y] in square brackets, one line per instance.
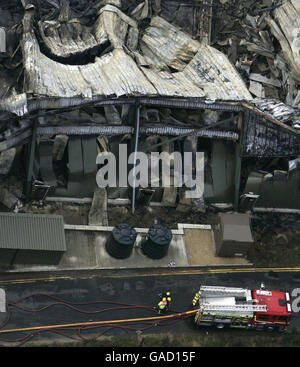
[162, 305]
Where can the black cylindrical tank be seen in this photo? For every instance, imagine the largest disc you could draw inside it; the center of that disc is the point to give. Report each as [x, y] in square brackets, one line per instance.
[157, 241]
[121, 240]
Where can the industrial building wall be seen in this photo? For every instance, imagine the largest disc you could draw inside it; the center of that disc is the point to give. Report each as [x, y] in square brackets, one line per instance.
[31, 239]
[6, 257]
[31, 257]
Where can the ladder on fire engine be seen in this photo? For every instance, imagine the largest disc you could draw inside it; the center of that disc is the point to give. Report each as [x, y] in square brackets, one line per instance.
[223, 291]
[207, 307]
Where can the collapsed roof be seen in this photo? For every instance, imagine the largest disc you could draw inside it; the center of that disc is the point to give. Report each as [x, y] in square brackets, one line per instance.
[66, 61]
[163, 62]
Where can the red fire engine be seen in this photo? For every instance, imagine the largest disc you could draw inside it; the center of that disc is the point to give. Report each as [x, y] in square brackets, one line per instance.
[258, 309]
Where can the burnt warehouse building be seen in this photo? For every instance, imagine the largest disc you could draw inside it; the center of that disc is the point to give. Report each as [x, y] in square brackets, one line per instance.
[78, 79]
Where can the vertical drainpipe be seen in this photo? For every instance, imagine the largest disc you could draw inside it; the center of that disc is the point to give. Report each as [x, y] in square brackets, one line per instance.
[30, 164]
[238, 165]
[137, 129]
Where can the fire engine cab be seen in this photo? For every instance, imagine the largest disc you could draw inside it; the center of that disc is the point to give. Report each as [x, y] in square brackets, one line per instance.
[258, 309]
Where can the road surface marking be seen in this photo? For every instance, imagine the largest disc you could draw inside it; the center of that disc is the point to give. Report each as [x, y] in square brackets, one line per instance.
[174, 272]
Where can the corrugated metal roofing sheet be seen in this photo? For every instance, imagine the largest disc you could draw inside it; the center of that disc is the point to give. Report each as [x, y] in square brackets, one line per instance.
[32, 232]
[169, 63]
[114, 74]
[2, 39]
[164, 63]
[16, 104]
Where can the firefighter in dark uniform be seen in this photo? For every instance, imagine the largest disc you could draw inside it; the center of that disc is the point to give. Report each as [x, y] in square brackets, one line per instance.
[169, 299]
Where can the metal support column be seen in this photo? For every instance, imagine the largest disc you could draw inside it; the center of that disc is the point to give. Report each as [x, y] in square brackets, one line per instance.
[30, 164]
[137, 128]
[238, 161]
[237, 179]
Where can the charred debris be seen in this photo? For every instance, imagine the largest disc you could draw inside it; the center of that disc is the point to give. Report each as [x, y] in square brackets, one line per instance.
[218, 76]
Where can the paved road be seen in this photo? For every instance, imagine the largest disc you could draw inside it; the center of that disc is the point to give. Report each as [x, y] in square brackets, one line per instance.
[139, 290]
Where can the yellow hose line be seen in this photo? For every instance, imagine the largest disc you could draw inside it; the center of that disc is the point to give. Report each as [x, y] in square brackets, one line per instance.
[93, 323]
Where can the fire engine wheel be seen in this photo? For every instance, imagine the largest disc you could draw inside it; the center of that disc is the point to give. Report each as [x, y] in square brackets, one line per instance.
[260, 328]
[270, 328]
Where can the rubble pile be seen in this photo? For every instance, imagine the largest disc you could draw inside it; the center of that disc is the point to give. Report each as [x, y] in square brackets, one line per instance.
[262, 39]
[276, 238]
[64, 63]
